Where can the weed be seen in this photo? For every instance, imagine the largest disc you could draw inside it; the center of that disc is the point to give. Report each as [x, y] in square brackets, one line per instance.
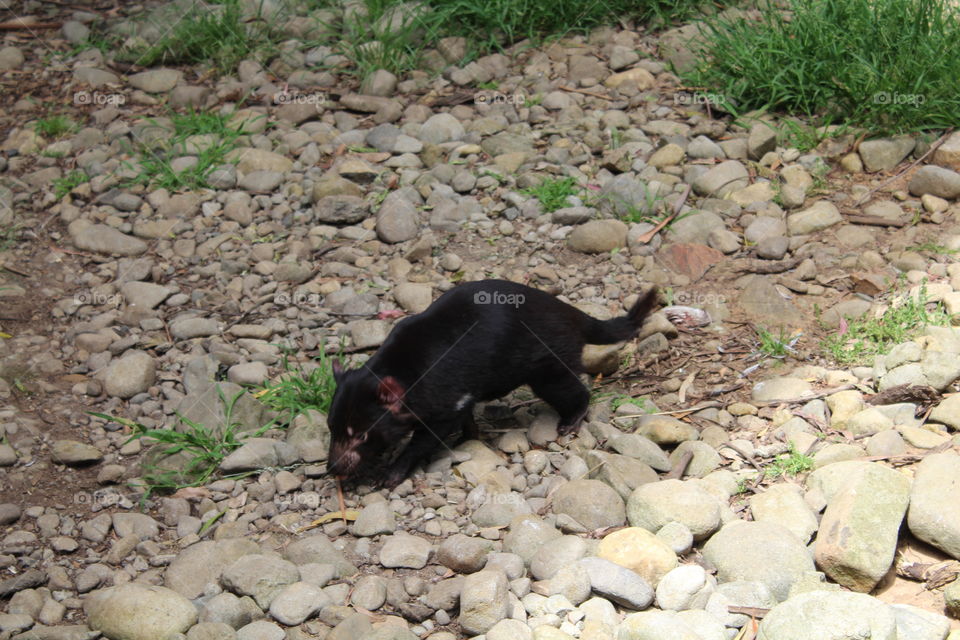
[859, 340]
[66, 184]
[779, 346]
[202, 447]
[54, 126]
[933, 247]
[789, 464]
[155, 166]
[553, 192]
[893, 73]
[301, 389]
[216, 34]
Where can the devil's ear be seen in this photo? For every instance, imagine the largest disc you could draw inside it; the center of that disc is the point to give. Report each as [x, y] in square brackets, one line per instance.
[390, 394]
[337, 370]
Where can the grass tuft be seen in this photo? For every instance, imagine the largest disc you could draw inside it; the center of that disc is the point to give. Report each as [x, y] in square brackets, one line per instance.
[188, 139]
[864, 339]
[789, 464]
[54, 126]
[301, 388]
[553, 193]
[886, 65]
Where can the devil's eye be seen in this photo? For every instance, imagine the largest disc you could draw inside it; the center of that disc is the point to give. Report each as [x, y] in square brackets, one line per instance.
[350, 431]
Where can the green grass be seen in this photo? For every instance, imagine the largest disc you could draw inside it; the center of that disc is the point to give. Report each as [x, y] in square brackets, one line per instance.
[789, 464]
[864, 339]
[203, 448]
[553, 192]
[54, 126]
[154, 165]
[886, 65]
[933, 247]
[301, 389]
[66, 184]
[220, 37]
[774, 346]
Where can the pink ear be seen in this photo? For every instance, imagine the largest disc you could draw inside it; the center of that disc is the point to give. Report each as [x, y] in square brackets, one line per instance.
[390, 394]
[337, 369]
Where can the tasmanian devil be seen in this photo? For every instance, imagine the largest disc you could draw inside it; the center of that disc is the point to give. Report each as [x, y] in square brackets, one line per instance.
[477, 342]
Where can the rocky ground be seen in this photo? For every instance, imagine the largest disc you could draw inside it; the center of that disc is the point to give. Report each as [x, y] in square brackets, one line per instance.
[348, 206]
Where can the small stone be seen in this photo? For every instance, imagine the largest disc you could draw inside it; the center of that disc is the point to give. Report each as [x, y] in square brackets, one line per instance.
[405, 551]
[937, 181]
[599, 236]
[134, 373]
[297, 602]
[820, 215]
[640, 551]
[885, 153]
[591, 503]
[73, 453]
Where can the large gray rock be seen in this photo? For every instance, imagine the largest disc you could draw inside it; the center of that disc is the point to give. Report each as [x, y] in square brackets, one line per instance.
[260, 576]
[527, 534]
[135, 611]
[134, 373]
[100, 238]
[919, 624]
[934, 514]
[599, 236]
[655, 624]
[829, 615]
[774, 555]
[483, 601]
[441, 127]
[397, 219]
[296, 602]
[73, 453]
[405, 551]
[591, 503]
[721, 180]
[819, 215]
[782, 504]
[936, 181]
[762, 303]
[618, 584]
[201, 564]
[653, 505]
[859, 530]
[340, 209]
[317, 549]
[884, 154]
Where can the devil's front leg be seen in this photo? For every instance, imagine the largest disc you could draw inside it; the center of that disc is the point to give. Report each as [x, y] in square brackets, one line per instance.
[426, 439]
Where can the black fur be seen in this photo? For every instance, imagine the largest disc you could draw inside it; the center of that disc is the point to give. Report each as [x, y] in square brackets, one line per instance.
[477, 342]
